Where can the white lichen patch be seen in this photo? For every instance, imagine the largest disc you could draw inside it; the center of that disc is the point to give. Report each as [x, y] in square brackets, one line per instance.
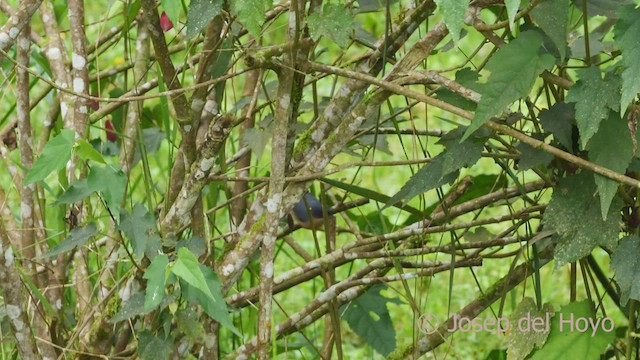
[187, 128]
[197, 105]
[83, 109]
[327, 295]
[207, 163]
[199, 175]
[295, 318]
[228, 269]
[8, 257]
[78, 61]
[78, 85]
[13, 311]
[25, 209]
[272, 203]
[4, 40]
[13, 32]
[318, 134]
[211, 107]
[306, 321]
[268, 270]
[63, 109]
[351, 293]
[284, 101]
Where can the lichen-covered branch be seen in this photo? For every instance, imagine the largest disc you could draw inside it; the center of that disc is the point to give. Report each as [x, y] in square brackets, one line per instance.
[179, 213]
[14, 300]
[14, 25]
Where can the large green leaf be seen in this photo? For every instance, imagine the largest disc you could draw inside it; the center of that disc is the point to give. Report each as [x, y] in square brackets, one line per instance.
[54, 157]
[571, 212]
[378, 330]
[512, 10]
[201, 12]
[453, 14]
[77, 237]
[216, 309]
[107, 180]
[443, 168]
[594, 97]
[627, 38]
[521, 340]
[569, 337]
[467, 78]
[615, 155]
[514, 69]
[133, 306]
[153, 347]
[558, 120]
[553, 18]
[156, 281]
[251, 14]
[626, 263]
[140, 228]
[187, 268]
[531, 157]
[335, 22]
[87, 152]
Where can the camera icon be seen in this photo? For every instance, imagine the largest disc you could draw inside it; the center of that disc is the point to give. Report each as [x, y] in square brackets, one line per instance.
[428, 323]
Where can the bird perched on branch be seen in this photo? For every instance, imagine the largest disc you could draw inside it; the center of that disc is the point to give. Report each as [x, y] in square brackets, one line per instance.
[308, 212]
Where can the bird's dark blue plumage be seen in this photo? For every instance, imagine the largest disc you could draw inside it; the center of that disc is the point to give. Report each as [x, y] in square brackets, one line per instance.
[308, 212]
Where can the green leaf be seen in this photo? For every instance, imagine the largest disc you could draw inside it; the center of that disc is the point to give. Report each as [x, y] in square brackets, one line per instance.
[201, 12]
[566, 338]
[531, 157]
[195, 244]
[514, 69]
[626, 263]
[172, 9]
[187, 268]
[335, 22]
[109, 181]
[371, 195]
[467, 78]
[77, 237]
[216, 309]
[627, 39]
[481, 234]
[558, 120]
[189, 323]
[251, 14]
[453, 14]
[86, 152]
[374, 222]
[553, 18]
[594, 97]
[133, 306]
[443, 168]
[377, 331]
[54, 157]
[571, 212]
[521, 340]
[614, 155]
[152, 347]
[257, 139]
[512, 10]
[140, 228]
[156, 281]
[74, 193]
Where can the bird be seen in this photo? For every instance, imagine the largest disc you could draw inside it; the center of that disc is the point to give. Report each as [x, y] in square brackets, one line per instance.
[308, 212]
